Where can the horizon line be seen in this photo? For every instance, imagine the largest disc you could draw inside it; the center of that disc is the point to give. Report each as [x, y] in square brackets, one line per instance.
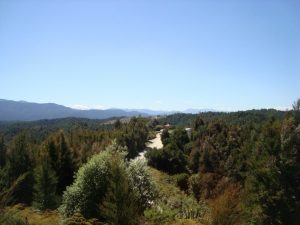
[200, 109]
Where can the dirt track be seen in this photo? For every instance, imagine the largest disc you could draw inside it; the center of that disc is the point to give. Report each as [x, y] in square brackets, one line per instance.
[153, 143]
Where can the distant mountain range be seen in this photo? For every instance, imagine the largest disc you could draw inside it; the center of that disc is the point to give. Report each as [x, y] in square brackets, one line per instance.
[161, 112]
[28, 111]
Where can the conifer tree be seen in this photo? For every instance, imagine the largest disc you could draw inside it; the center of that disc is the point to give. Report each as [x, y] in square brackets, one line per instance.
[118, 207]
[53, 154]
[118, 124]
[2, 152]
[290, 169]
[66, 167]
[19, 163]
[44, 196]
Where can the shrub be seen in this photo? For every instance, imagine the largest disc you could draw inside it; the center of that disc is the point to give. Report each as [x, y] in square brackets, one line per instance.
[142, 183]
[89, 187]
[94, 186]
[161, 213]
[206, 185]
[225, 209]
[182, 181]
[78, 219]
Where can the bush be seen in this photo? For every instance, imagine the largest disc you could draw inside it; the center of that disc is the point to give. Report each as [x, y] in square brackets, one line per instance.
[176, 207]
[78, 219]
[207, 185]
[142, 183]
[93, 185]
[10, 218]
[226, 210]
[160, 214]
[182, 181]
[89, 187]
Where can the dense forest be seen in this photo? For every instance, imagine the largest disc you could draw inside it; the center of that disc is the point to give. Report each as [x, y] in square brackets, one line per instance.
[232, 169]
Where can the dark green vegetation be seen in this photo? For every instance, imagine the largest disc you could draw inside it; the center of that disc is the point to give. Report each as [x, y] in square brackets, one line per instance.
[234, 168]
[245, 164]
[255, 116]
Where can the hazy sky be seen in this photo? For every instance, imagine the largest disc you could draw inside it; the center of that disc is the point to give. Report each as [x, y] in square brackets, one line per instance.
[225, 55]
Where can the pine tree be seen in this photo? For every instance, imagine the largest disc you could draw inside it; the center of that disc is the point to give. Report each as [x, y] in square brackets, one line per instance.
[194, 163]
[2, 152]
[18, 164]
[19, 161]
[290, 170]
[53, 154]
[118, 207]
[66, 167]
[44, 196]
[118, 124]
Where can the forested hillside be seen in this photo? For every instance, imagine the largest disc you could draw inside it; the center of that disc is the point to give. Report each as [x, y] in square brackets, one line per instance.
[182, 119]
[233, 168]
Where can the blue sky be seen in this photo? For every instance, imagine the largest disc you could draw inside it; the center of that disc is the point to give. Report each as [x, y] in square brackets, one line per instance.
[157, 54]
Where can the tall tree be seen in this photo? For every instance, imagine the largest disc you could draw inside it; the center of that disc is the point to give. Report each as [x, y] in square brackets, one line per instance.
[180, 138]
[53, 154]
[44, 196]
[165, 136]
[19, 163]
[118, 207]
[133, 136]
[296, 105]
[117, 124]
[2, 152]
[290, 169]
[18, 159]
[66, 166]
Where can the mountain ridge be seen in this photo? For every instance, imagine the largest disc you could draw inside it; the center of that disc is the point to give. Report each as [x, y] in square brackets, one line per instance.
[28, 111]
[11, 110]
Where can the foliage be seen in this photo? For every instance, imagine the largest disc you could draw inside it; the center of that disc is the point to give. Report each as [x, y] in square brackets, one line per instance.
[19, 163]
[10, 218]
[33, 216]
[172, 204]
[237, 168]
[108, 181]
[236, 118]
[119, 204]
[65, 168]
[142, 183]
[6, 197]
[78, 219]
[2, 152]
[44, 196]
[272, 186]
[134, 136]
[89, 187]
[170, 159]
[165, 135]
[226, 208]
[296, 105]
[161, 213]
[181, 181]
[180, 138]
